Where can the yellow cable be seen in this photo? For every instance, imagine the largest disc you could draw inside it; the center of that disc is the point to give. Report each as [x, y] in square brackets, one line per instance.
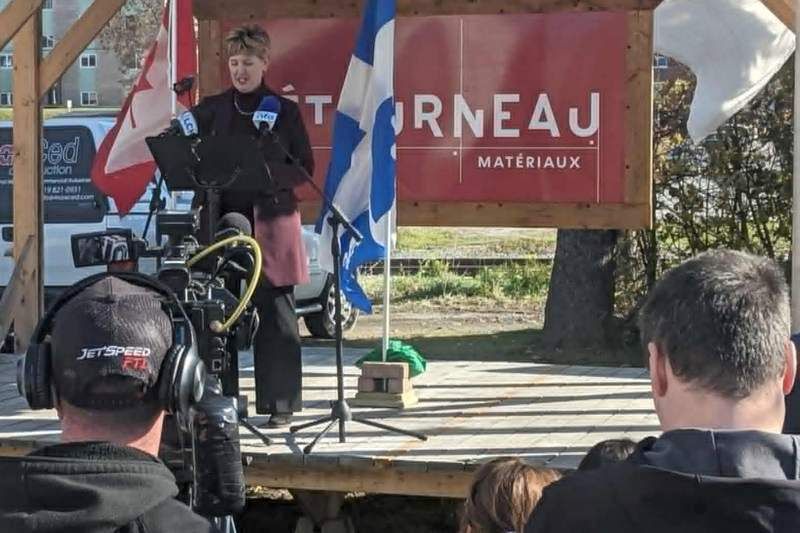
[251, 286]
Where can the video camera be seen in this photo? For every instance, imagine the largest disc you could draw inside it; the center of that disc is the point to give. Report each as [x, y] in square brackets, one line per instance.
[203, 452]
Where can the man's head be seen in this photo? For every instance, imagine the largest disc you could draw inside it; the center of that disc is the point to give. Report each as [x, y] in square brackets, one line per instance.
[716, 331]
[108, 345]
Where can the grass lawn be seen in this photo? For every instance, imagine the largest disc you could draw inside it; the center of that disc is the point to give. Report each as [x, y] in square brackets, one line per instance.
[468, 242]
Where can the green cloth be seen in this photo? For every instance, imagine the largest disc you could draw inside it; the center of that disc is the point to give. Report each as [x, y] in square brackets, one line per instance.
[398, 352]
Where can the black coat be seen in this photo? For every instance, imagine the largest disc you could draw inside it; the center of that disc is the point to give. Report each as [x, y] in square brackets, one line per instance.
[217, 115]
[687, 481]
[92, 488]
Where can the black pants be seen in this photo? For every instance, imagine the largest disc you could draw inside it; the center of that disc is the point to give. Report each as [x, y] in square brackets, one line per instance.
[278, 363]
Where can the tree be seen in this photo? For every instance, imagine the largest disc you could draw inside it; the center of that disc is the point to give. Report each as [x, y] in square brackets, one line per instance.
[130, 33]
[732, 190]
[580, 301]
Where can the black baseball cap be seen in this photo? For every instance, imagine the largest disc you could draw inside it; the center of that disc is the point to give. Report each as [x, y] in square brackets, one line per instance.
[108, 344]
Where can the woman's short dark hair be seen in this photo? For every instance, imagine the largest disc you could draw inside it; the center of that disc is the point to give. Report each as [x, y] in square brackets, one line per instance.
[722, 320]
[250, 39]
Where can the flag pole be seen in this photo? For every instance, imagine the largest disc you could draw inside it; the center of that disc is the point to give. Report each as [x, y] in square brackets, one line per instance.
[387, 284]
[173, 55]
[796, 188]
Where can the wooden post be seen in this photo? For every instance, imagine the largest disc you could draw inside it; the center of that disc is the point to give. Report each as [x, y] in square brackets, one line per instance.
[28, 176]
[210, 54]
[783, 9]
[11, 301]
[14, 16]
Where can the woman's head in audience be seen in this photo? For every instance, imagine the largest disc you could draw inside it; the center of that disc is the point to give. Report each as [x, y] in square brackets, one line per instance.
[607, 452]
[503, 494]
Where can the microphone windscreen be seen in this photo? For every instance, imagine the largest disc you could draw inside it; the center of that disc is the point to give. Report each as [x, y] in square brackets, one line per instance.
[235, 221]
[267, 112]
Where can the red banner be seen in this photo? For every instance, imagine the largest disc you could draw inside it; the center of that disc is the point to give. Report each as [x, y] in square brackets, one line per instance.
[522, 108]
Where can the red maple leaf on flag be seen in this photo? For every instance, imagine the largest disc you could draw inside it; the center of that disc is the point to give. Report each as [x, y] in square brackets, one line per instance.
[124, 166]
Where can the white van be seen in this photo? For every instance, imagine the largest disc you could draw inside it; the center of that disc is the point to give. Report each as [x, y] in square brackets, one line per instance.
[71, 202]
[73, 205]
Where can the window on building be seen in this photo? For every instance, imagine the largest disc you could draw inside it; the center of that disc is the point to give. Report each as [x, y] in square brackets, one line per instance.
[6, 99]
[47, 4]
[6, 60]
[48, 41]
[88, 98]
[660, 62]
[88, 60]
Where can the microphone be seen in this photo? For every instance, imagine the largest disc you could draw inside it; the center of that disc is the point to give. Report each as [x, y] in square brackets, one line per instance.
[233, 224]
[237, 259]
[266, 115]
[187, 124]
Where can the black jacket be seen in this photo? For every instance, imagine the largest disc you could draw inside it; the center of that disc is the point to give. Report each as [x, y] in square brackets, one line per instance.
[217, 115]
[686, 481]
[92, 488]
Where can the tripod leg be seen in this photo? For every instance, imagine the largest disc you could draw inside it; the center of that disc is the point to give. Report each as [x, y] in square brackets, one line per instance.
[252, 429]
[393, 429]
[310, 448]
[300, 427]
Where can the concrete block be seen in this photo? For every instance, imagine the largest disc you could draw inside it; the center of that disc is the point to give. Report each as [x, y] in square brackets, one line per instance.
[366, 384]
[397, 386]
[385, 370]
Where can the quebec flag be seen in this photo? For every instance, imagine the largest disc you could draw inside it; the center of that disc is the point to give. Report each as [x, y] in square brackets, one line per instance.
[362, 171]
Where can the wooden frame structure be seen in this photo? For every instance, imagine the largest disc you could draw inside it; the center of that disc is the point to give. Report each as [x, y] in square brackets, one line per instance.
[21, 20]
[636, 209]
[33, 77]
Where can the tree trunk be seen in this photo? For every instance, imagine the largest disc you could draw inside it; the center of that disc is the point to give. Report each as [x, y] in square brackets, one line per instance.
[580, 301]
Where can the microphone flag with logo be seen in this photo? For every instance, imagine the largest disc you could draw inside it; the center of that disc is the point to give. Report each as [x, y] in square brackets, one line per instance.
[266, 115]
[362, 171]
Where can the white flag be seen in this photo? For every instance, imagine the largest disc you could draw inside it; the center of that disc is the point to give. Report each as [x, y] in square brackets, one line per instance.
[734, 47]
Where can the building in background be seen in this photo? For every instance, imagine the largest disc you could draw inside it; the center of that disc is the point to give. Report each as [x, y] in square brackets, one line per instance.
[94, 80]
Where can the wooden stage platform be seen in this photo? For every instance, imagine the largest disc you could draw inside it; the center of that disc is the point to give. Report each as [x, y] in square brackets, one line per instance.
[471, 411]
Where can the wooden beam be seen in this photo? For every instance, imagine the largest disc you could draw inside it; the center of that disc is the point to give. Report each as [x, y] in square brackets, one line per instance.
[210, 55]
[14, 16]
[241, 10]
[11, 301]
[28, 176]
[75, 41]
[639, 109]
[512, 215]
[783, 9]
[380, 477]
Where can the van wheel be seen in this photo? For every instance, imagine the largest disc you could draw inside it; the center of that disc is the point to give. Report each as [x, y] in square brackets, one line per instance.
[321, 324]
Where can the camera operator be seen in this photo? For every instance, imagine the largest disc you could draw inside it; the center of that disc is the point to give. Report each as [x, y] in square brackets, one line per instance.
[272, 211]
[105, 357]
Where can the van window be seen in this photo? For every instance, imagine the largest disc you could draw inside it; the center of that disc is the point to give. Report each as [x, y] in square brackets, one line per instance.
[69, 195]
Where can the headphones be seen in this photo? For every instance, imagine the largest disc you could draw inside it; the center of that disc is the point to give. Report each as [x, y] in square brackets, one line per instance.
[181, 378]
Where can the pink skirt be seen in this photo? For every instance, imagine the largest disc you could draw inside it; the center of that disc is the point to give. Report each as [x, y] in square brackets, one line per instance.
[284, 256]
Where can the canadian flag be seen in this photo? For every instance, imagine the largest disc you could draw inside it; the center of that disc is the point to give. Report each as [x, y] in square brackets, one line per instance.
[123, 165]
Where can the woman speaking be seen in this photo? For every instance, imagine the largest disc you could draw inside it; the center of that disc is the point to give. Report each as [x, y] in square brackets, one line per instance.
[273, 212]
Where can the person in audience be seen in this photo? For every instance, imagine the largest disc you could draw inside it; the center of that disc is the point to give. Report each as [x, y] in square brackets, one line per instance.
[792, 423]
[607, 452]
[716, 333]
[503, 494]
[109, 344]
